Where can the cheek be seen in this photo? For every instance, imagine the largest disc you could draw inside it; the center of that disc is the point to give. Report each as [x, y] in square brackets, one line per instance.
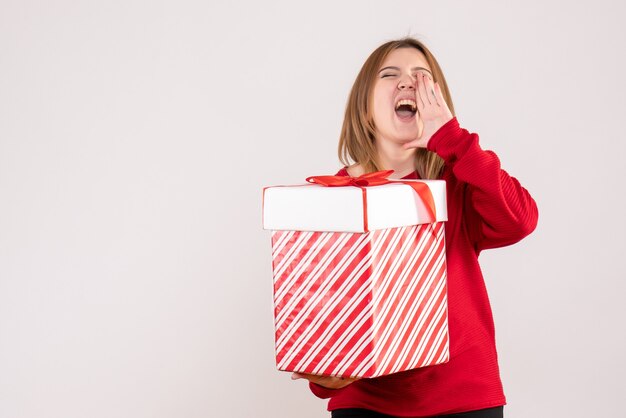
[381, 106]
[381, 115]
[382, 95]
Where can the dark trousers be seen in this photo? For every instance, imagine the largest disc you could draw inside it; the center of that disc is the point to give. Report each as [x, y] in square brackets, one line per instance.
[496, 412]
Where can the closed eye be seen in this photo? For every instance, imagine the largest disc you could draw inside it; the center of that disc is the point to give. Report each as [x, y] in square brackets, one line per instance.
[391, 75]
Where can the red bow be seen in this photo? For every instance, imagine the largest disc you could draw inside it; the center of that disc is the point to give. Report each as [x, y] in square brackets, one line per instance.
[376, 179]
[370, 179]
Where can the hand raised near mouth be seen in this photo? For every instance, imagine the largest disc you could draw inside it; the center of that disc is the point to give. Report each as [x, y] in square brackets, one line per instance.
[432, 110]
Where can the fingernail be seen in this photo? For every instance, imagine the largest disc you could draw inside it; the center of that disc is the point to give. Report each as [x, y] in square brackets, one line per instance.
[295, 376]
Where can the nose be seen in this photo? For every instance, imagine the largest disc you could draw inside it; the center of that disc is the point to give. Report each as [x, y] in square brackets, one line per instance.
[406, 83]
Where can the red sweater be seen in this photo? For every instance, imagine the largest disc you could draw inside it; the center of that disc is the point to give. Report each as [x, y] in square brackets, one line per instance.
[487, 208]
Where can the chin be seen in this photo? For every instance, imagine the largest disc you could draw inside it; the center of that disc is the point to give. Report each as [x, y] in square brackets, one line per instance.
[408, 137]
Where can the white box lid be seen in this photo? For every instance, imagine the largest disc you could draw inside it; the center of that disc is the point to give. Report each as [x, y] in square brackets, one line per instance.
[311, 207]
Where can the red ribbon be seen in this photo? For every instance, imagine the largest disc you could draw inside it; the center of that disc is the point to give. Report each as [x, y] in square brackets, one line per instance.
[376, 178]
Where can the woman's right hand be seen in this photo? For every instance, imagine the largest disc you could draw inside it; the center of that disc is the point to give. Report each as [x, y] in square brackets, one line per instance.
[329, 382]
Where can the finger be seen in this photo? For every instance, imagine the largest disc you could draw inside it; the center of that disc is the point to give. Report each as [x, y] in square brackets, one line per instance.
[422, 89]
[438, 95]
[413, 144]
[442, 100]
[418, 95]
[433, 94]
[320, 380]
[430, 87]
[308, 376]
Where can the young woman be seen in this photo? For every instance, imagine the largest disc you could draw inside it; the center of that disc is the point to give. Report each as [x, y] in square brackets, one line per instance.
[400, 117]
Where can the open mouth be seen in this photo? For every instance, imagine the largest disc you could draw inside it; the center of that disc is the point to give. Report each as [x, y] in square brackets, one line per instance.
[406, 109]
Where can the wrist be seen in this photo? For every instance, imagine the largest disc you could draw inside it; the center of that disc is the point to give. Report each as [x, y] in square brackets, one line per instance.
[445, 128]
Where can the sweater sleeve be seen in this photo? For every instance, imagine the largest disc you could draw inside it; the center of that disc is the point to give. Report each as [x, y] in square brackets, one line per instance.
[498, 211]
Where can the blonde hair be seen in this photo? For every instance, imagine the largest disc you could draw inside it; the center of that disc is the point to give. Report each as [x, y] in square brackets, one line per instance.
[358, 132]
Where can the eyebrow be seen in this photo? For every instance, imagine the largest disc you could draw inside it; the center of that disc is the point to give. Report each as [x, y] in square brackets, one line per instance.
[398, 69]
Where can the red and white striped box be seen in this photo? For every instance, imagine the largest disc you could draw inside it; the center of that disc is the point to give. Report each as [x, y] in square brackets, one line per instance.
[359, 277]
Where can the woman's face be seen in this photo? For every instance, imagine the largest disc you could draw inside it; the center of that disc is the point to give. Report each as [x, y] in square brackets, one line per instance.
[394, 82]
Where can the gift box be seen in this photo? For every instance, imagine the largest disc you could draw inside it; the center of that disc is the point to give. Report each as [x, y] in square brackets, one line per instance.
[359, 272]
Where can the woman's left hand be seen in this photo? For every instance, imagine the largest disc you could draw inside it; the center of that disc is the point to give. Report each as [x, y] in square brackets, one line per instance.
[329, 382]
[433, 110]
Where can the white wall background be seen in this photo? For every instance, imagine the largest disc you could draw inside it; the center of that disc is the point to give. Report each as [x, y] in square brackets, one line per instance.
[135, 138]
